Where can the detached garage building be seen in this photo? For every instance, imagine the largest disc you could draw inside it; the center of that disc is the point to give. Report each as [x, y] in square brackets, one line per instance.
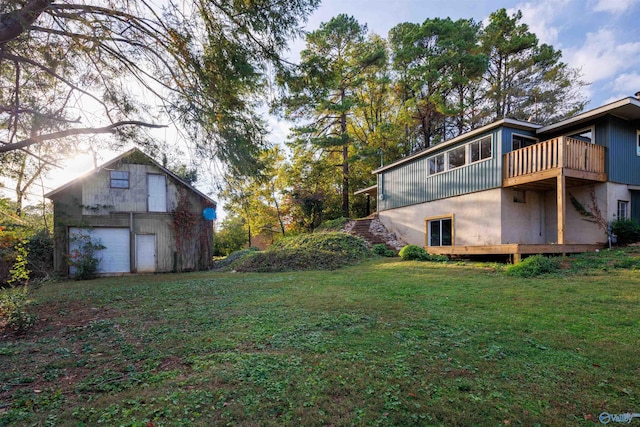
[143, 217]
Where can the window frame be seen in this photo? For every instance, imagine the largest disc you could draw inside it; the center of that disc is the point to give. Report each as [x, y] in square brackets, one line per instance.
[113, 180]
[591, 129]
[462, 148]
[439, 219]
[442, 164]
[519, 135]
[480, 151]
[445, 156]
[625, 209]
[638, 143]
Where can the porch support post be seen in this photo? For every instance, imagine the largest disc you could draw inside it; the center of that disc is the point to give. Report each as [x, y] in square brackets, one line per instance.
[562, 208]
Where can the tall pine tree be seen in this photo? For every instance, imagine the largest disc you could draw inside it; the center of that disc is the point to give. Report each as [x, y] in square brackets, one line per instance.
[321, 95]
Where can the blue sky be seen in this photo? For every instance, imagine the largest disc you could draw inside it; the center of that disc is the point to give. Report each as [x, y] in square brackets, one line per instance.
[600, 37]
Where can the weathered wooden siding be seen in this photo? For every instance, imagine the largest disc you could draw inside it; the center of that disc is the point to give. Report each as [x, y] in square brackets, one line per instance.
[98, 197]
[409, 183]
[92, 203]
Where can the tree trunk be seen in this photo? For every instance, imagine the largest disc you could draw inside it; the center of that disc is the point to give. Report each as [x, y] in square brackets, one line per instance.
[15, 23]
[345, 160]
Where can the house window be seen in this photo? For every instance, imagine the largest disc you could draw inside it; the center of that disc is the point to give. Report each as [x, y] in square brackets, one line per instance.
[480, 149]
[119, 179]
[638, 143]
[623, 209]
[440, 231]
[521, 141]
[457, 157]
[585, 135]
[519, 196]
[436, 164]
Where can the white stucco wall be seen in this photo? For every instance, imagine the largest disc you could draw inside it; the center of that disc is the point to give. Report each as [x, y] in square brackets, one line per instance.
[523, 222]
[492, 217]
[581, 229]
[476, 218]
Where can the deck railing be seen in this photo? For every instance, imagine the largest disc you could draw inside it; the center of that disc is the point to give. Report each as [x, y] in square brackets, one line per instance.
[561, 152]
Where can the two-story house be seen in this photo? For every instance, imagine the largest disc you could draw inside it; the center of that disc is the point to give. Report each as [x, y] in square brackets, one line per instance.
[515, 187]
[142, 216]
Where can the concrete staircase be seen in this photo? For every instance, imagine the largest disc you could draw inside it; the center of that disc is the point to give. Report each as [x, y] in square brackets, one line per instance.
[361, 228]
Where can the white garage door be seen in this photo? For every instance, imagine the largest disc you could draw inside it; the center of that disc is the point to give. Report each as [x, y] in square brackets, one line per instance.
[114, 258]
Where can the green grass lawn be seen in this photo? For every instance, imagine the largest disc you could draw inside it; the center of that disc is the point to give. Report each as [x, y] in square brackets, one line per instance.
[383, 343]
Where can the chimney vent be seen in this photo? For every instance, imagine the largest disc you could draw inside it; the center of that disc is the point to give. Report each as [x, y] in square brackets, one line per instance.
[638, 94]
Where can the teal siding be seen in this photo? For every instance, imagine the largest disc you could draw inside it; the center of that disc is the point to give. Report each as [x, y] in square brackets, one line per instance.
[507, 133]
[623, 165]
[409, 184]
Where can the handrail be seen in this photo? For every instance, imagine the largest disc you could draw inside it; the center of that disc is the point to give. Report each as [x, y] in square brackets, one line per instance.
[561, 152]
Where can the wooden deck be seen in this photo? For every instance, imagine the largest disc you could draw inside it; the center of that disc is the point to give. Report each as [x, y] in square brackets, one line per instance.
[516, 250]
[539, 164]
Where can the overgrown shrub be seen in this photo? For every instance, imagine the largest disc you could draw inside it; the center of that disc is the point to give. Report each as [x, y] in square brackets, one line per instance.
[19, 273]
[233, 259]
[84, 259]
[332, 225]
[382, 250]
[40, 254]
[292, 260]
[13, 309]
[317, 251]
[413, 253]
[417, 253]
[534, 266]
[626, 230]
[349, 246]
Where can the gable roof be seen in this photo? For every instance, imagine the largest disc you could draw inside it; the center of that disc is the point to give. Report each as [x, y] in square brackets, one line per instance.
[136, 151]
[626, 108]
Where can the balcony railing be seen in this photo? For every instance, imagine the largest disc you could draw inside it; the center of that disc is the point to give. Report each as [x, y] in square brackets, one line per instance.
[561, 152]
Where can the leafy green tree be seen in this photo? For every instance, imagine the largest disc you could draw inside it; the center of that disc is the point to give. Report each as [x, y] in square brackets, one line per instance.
[322, 93]
[434, 62]
[230, 237]
[257, 199]
[526, 80]
[375, 122]
[313, 194]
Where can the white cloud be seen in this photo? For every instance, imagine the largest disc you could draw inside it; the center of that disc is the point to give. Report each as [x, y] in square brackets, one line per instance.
[602, 56]
[628, 83]
[540, 17]
[614, 6]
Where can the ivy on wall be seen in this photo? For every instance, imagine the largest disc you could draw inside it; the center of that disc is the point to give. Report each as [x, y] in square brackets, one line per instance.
[185, 223]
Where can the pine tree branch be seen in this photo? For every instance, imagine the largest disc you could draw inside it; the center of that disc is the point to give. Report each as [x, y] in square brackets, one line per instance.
[6, 147]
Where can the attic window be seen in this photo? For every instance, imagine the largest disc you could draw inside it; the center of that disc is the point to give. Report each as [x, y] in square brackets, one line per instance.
[119, 179]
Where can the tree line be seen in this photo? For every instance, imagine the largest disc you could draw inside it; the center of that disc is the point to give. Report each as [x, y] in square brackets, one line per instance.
[73, 70]
[358, 100]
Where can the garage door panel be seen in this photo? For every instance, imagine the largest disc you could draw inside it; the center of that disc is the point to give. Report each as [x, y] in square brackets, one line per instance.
[114, 258]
